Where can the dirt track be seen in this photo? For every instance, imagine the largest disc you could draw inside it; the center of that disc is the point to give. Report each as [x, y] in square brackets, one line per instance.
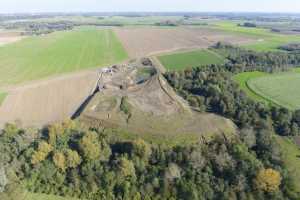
[152, 40]
[47, 101]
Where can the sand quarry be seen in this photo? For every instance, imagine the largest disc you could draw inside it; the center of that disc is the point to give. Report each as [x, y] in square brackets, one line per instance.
[136, 97]
[146, 41]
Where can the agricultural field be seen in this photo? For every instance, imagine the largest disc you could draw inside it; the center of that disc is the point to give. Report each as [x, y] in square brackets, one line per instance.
[279, 89]
[183, 60]
[47, 101]
[145, 41]
[243, 78]
[56, 53]
[266, 40]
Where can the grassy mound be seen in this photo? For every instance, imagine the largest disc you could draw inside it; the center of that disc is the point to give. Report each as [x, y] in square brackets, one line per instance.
[183, 60]
[60, 52]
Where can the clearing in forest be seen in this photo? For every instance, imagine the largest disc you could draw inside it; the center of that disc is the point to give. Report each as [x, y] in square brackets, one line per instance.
[183, 60]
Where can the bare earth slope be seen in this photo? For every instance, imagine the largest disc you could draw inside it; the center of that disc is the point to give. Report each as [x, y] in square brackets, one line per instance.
[148, 107]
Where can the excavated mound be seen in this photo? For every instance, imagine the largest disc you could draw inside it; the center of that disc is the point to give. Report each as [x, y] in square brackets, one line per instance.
[147, 105]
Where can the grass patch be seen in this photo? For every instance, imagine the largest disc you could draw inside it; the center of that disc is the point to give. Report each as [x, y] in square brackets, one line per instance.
[266, 40]
[36, 196]
[291, 153]
[60, 52]
[2, 97]
[179, 61]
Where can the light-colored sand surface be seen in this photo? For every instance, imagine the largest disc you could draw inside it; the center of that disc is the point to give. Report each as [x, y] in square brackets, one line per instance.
[47, 101]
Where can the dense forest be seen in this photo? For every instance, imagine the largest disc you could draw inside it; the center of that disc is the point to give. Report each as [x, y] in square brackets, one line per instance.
[69, 159]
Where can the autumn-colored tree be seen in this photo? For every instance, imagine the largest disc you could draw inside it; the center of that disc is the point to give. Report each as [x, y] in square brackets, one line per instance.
[73, 159]
[126, 167]
[90, 146]
[59, 160]
[53, 132]
[42, 152]
[268, 180]
[141, 148]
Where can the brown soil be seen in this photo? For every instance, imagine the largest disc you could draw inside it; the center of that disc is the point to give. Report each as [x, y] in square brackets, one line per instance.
[47, 101]
[153, 108]
[147, 41]
[7, 37]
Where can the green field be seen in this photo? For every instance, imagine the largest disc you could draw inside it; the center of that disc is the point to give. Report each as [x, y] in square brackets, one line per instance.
[35, 196]
[267, 40]
[280, 89]
[291, 153]
[2, 97]
[243, 78]
[59, 52]
[179, 61]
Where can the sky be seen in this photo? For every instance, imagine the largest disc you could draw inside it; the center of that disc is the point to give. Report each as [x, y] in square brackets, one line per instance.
[12, 6]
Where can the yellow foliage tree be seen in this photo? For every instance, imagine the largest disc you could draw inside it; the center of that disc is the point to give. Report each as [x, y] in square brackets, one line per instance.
[73, 159]
[126, 168]
[268, 180]
[53, 132]
[90, 146]
[141, 148]
[59, 160]
[43, 151]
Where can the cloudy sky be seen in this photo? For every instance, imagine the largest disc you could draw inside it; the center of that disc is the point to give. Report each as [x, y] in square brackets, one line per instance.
[10, 6]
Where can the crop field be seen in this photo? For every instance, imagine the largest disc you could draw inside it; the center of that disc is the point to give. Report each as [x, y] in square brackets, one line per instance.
[47, 101]
[243, 78]
[145, 41]
[60, 52]
[179, 61]
[266, 40]
[279, 89]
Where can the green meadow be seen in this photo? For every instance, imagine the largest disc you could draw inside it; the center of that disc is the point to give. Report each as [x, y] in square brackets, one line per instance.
[279, 89]
[266, 40]
[60, 52]
[183, 60]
